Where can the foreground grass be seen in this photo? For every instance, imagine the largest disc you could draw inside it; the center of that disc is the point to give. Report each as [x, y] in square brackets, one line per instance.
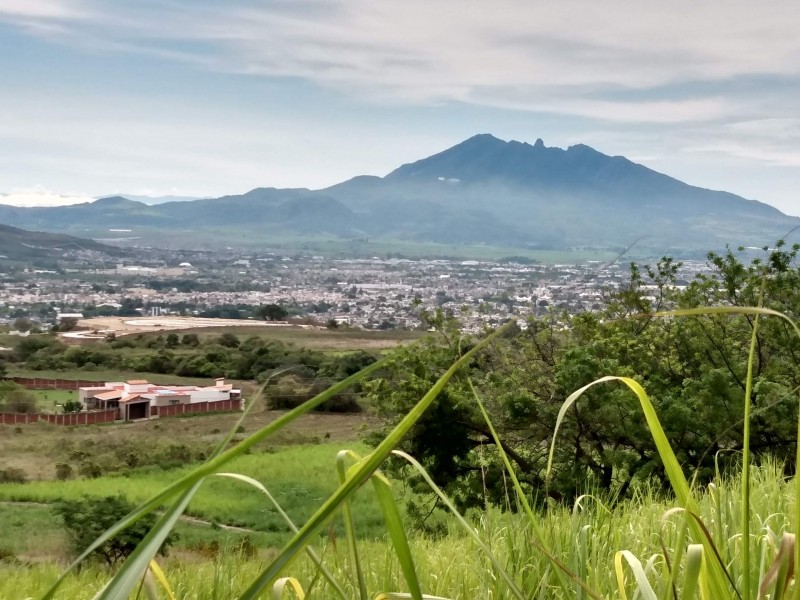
[299, 477]
[585, 538]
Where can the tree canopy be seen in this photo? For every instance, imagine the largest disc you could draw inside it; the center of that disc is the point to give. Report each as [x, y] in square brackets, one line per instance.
[88, 518]
[693, 368]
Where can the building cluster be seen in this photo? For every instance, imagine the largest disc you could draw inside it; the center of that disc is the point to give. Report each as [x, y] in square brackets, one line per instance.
[372, 293]
[140, 399]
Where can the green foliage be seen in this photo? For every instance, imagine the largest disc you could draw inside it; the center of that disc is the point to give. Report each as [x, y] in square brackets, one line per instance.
[190, 339]
[64, 471]
[12, 475]
[272, 312]
[85, 519]
[73, 406]
[694, 369]
[18, 400]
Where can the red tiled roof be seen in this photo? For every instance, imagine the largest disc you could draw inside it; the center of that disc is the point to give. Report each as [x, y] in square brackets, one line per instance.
[134, 398]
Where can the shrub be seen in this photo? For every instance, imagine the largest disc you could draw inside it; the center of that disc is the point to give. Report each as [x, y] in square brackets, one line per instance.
[20, 401]
[290, 391]
[73, 406]
[13, 475]
[64, 471]
[86, 519]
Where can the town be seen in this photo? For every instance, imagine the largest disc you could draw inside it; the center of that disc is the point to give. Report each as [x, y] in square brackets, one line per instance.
[367, 293]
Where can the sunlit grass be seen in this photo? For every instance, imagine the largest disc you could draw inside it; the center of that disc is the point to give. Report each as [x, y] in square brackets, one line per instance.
[732, 539]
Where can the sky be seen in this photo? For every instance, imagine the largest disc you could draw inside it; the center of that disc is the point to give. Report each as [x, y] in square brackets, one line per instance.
[205, 98]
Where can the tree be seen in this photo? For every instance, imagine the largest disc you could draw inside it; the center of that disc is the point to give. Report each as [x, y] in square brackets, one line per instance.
[86, 519]
[272, 312]
[67, 324]
[228, 340]
[693, 368]
[190, 339]
[72, 406]
[20, 400]
[171, 341]
[22, 324]
[3, 370]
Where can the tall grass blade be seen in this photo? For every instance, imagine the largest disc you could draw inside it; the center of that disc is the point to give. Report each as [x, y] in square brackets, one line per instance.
[363, 470]
[504, 575]
[561, 568]
[394, 523]
[315, 558]
[718, 579]
[349, 527]
[780, 571]
[214, 463]
[162, 579]
[745, 526]
[292, 583]
[756, 311]
[397, 533]
[694, 565]
[643, 587]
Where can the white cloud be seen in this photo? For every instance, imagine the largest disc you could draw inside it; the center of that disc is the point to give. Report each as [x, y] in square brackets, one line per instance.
[565, 57]
[42, 9]
[41, 196]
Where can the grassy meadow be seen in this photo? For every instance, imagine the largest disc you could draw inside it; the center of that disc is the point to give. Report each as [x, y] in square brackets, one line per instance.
[585, 538]
[300, 478]
[345, 532]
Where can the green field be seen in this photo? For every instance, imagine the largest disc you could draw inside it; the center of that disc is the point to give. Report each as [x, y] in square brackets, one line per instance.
[48, 400]
[314, 339]
[586, 539]
[224, 500]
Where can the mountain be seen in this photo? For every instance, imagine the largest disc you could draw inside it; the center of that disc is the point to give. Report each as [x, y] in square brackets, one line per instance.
[18, 244]
[481, 191]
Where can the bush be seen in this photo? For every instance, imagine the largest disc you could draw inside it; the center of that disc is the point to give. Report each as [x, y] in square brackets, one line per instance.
[73, 406]
[86, 519]
[291, 391]
[64, 471]
[12, 475]
[20, 401]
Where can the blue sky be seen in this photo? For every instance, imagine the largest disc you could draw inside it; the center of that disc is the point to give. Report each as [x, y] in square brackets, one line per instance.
[208, 98]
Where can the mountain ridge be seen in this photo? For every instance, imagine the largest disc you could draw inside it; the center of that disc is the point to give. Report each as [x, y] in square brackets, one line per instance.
[483, 190]
[20, 244]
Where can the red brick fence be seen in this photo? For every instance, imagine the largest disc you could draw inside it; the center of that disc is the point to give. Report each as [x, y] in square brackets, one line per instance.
[36, 383]
[81, 418]
[195, 407]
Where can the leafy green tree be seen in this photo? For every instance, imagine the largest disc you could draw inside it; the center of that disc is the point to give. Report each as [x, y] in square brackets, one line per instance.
[190, 339]
[272, 312]
[86, 519]
[171, 342]
[228, 340]
[72, 406]
[22, 324]
[693, 368]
